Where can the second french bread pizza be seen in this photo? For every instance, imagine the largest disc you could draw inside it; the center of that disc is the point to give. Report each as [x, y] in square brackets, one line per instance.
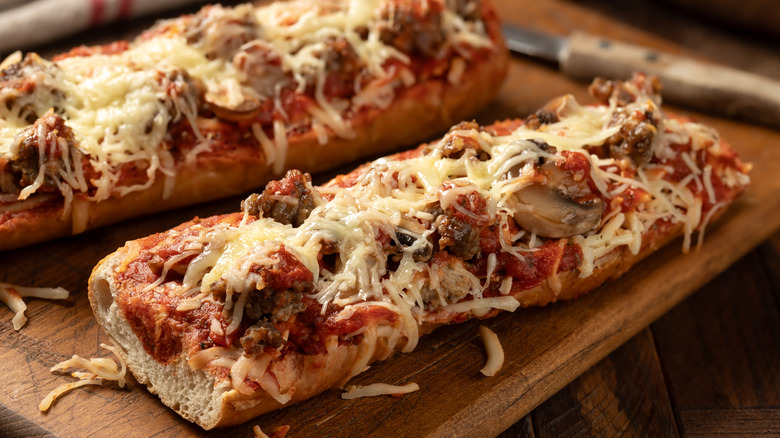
[221, 101]
[228, 317]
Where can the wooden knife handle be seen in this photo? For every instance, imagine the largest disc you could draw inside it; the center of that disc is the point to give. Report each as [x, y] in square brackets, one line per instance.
[688, 82]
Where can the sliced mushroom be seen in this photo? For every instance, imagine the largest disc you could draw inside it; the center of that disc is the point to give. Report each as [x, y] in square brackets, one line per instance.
[556, 205]
[247, 110]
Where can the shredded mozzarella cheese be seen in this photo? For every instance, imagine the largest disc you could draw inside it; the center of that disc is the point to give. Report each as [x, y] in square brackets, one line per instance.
[495, 353]
[11, 295]
[376, 389]
[98, 370]
[394, 198]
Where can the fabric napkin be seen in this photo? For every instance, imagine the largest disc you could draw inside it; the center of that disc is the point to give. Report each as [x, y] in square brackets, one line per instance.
[27, 23]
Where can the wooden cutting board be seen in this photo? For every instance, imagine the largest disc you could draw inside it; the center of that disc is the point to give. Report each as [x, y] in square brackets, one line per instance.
[545, 347]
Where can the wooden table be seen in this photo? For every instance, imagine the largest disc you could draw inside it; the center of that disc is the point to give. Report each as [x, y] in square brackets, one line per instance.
[707, 366]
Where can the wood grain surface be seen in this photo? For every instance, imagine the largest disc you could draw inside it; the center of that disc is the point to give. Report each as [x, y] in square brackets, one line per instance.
[661, 383]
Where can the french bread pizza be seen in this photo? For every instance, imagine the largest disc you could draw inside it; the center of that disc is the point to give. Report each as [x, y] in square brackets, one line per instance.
[221, 101]
[231, 316]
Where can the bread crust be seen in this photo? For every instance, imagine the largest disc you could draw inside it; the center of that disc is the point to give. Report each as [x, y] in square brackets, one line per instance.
[416, 114]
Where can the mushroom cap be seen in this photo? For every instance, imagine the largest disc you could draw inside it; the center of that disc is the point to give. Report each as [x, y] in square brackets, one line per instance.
[553, 203]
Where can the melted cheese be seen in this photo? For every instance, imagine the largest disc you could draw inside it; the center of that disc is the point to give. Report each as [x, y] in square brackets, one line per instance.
[120, 106]
[391, 195]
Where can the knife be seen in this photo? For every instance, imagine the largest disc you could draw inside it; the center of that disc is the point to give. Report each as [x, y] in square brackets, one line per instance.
[696, 84]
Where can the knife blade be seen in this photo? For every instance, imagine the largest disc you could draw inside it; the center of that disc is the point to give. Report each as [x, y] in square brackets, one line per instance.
[696, 84]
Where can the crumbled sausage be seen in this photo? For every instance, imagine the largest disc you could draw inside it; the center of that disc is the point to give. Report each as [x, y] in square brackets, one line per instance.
[278, 283]
[278, 305]
[343, 65]
[458, 235]
[603, 89]
[458, 145]
[637, 128]
[260, 335]
[453, 281]
[341, 57]
[261, 64]
[288, 201]
[285, 281]
[412, 27]
[25, 164]
[209, 27]
[624, 92]
[634, 139]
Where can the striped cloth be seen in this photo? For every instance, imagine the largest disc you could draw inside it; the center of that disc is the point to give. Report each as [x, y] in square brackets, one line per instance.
[27, 23]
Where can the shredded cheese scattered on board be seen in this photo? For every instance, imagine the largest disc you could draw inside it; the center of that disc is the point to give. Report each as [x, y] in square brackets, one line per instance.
[376, 389]
[495, 353]
[98, 370]
[11, 295]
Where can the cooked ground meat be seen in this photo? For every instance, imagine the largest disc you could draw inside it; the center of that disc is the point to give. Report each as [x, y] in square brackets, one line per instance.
[260, 335]
[453, 282]
[343, 66]
[457, 145]
[261, 64]
[286, 281]
[603, 89]
[412, 27]
[276, 305]
[209, 26]
[25, 165]
[539, 118]
[635, 138]
[288, 201]
[637, 129]
[276, 289]
[457, 235]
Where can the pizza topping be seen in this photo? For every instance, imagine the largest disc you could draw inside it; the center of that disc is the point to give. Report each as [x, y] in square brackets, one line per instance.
[288, 201]
[425, 21]
[623, 93]
[541, 117]
[260, 335]
[457, 234]
[130, 113]
[554, 202]
[11, 295]
[450, 281]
